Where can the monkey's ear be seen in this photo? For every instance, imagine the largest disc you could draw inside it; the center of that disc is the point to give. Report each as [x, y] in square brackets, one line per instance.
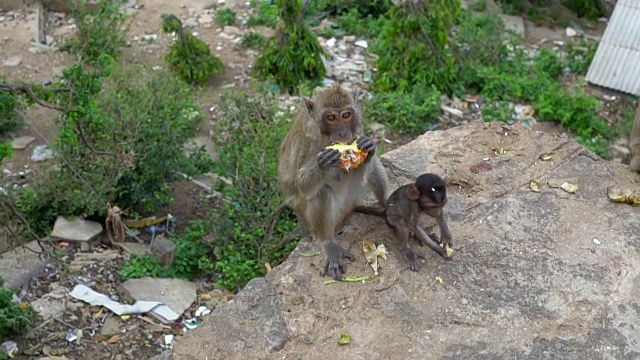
[309, 104]
[413, 193]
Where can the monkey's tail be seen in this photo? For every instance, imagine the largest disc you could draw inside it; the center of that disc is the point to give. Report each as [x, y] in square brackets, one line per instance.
[369, 210]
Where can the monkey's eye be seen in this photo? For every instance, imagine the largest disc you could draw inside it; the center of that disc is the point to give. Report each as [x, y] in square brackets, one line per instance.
[331, 117]
[433, 189]
[346, 115]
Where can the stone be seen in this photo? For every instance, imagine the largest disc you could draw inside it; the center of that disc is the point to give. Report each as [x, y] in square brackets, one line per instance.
[177, 294]
[232, 30]
[570, 32]
[138, 248]
[205, 19]
[75, 230]
[331, 42]
[111, 326]
[202, 142]
[514, 23]
[164, 250]
[522, 260]
[22, 142]
[13, 61]
[190, 23]
[18, 264]
[52, 304]
[362, 43]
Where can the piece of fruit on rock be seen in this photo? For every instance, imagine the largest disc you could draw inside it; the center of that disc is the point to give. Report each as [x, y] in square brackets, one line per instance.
[352, 156]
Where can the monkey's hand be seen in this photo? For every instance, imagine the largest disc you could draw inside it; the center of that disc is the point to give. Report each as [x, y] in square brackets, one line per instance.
[329, 158]
[367, 145]
[412, 259]
[334, 260]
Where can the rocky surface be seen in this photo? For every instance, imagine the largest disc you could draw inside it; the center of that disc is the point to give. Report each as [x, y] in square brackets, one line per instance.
[535, 275]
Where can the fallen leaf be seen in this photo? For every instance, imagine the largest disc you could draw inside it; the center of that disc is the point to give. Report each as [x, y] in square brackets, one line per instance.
[449, 250]
[500, 151]
[553, 184]
[545, 157]
[533, 185]
[327, 282]
[570, 188]
[100, 338]
[371, 253]
[616, 195]
[381, 250]
[309, 254]
[114, 339]
[438, 279]
[344, 339]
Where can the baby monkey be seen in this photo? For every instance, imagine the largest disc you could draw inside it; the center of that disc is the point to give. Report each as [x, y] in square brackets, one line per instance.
[405, 213]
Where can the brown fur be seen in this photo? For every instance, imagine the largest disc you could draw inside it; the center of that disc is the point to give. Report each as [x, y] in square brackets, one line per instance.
[323, 198]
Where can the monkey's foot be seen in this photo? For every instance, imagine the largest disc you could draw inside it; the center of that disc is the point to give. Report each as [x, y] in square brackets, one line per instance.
[412, 259]
[334, 260]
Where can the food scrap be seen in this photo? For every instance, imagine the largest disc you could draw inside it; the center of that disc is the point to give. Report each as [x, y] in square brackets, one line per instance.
[438, 279]
[352, 157]
[553, 184]
[570, 188]
[344, 339]
[371, 253]
[545, 157]
[617, 195]
[309, 254]
[448, 249]
[327, 282]
[533, 185]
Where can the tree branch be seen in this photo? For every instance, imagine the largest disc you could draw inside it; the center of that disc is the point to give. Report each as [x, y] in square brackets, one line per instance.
[24, 88]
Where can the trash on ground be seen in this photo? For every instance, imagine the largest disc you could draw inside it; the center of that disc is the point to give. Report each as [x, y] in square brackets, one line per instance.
[11, 348]
[89, 296]
[202, 311]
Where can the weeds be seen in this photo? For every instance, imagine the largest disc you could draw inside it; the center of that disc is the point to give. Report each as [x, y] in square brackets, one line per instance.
[294, 55]
[15, 319]
[226, 17]
[121, 141]
[253, 40]
[267, 14]
[191, 261]
[252, 228]
[190, 57]
[100, 32]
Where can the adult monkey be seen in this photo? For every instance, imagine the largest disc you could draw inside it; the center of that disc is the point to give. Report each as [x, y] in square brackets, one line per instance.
[322, 195]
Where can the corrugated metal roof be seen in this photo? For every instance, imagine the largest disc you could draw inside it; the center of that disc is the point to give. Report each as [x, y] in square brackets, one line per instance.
[616, 64]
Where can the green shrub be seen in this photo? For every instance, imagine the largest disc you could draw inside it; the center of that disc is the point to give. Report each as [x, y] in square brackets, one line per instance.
[100, 32]
[190, 57]
[14, 319]
[226, 17]
[548, 64]
[413, 112]
[253, 40]
[591, 9]
[10, 106]
[480, 5]
[250, 229]
[266, 15]
[122, 141]
[294, 55]
[6, 151]
[579, 57]
[352, 22]
[413, 46]
[192, 258]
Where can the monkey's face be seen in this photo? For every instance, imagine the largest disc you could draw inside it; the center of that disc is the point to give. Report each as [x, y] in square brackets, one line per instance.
[338, 124]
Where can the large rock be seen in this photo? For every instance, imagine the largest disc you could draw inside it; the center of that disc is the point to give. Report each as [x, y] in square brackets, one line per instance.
[176, 294]
[76, 229]
[527, 281]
